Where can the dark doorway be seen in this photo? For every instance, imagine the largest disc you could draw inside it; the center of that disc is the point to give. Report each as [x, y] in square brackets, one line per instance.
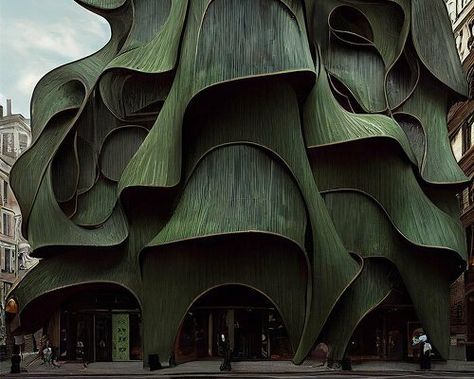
[386, 332]
[103, 338]
[105, 322]
[246, 317]
[248, 330]
[84, 335]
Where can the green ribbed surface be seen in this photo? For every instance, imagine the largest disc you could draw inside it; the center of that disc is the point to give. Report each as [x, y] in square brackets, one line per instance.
[426, 273]
[59, 276]
[251, 142]
[431, 18]
[234, 189]
[326, 122]
[376, 169]
[57, 99]
[251, 259]
[104, 192]
[428, 104]
[102, 4]
[49, 226]
[370, 288]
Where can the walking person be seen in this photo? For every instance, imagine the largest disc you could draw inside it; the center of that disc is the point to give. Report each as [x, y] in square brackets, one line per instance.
[425, 350]
[81, 352]
[224, 347]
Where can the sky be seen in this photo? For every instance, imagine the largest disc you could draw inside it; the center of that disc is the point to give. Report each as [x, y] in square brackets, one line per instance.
[38, 35]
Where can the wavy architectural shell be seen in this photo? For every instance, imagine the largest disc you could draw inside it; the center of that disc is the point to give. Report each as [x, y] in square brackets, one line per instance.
[295, 136]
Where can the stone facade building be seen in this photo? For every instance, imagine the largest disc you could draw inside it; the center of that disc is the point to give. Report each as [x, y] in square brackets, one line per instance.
[461, 122]
[15, 137]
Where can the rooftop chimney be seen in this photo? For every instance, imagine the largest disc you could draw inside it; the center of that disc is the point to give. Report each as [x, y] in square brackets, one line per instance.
[9, 107]
[1, 111]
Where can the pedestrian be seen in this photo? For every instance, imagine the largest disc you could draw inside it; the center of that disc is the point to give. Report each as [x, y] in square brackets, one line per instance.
[47, 354]
[425, 350]
[224, 347]
[81, 352]
[54, 357]
[42, 345]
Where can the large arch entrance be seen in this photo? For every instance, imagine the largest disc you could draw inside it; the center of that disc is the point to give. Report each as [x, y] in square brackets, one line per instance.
[386, 332]
[249, 319]
[103, 318]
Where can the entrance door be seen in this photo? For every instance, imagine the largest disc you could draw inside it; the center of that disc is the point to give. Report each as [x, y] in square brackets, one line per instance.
[248, 334]
[103, 340]
[247, 318]
[105, 320]
[84, 336]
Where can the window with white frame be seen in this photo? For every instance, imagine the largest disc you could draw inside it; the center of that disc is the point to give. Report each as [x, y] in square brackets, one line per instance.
[457, 144]
[4, 191]
[23, 142]
[7, 259]
[7, 223]
[8, 144]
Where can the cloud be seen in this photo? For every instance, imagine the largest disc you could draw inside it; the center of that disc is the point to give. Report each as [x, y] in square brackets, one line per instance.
[61, 39]
[36, 40]
[28, 79]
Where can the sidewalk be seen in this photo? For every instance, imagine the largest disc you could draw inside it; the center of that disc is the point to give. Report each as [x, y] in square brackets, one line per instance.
[28, 358]
[205, 369]
[457, 366]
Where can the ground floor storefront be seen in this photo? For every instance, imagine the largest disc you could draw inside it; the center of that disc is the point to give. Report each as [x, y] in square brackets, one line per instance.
[101, 327]
[386, 334]
[106, 326]
[250, 322]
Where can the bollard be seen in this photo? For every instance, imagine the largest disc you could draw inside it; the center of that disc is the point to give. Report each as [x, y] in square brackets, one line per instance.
[346, 364]
[154, 362]
[16, 360]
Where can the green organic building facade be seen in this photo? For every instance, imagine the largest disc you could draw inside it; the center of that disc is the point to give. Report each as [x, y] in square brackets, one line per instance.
[281, 158]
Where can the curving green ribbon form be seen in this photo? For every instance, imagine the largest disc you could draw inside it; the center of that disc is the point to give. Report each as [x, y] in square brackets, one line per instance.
[298, 148]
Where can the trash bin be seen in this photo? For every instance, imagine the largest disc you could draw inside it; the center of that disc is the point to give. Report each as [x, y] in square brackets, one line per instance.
[154, 362]
[346, 364]
[16, 360]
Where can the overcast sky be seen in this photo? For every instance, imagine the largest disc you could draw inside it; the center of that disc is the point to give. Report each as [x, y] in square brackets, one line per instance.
[39, 35]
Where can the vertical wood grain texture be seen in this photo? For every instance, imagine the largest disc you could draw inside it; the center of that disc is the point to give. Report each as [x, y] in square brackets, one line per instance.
[251, 142]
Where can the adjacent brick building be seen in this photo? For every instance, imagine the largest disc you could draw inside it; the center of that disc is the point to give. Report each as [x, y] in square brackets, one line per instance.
[461, 122]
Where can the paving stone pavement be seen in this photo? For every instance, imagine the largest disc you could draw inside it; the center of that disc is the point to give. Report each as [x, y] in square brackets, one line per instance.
[261, 369]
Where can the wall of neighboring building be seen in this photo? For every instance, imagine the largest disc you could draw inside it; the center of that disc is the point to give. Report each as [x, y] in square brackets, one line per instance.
[460, 12]
[461, 133]
[15, 137]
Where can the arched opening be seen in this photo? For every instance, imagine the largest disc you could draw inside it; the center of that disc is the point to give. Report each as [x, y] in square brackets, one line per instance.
[251, 322]
[386, 332]
[101, 321]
